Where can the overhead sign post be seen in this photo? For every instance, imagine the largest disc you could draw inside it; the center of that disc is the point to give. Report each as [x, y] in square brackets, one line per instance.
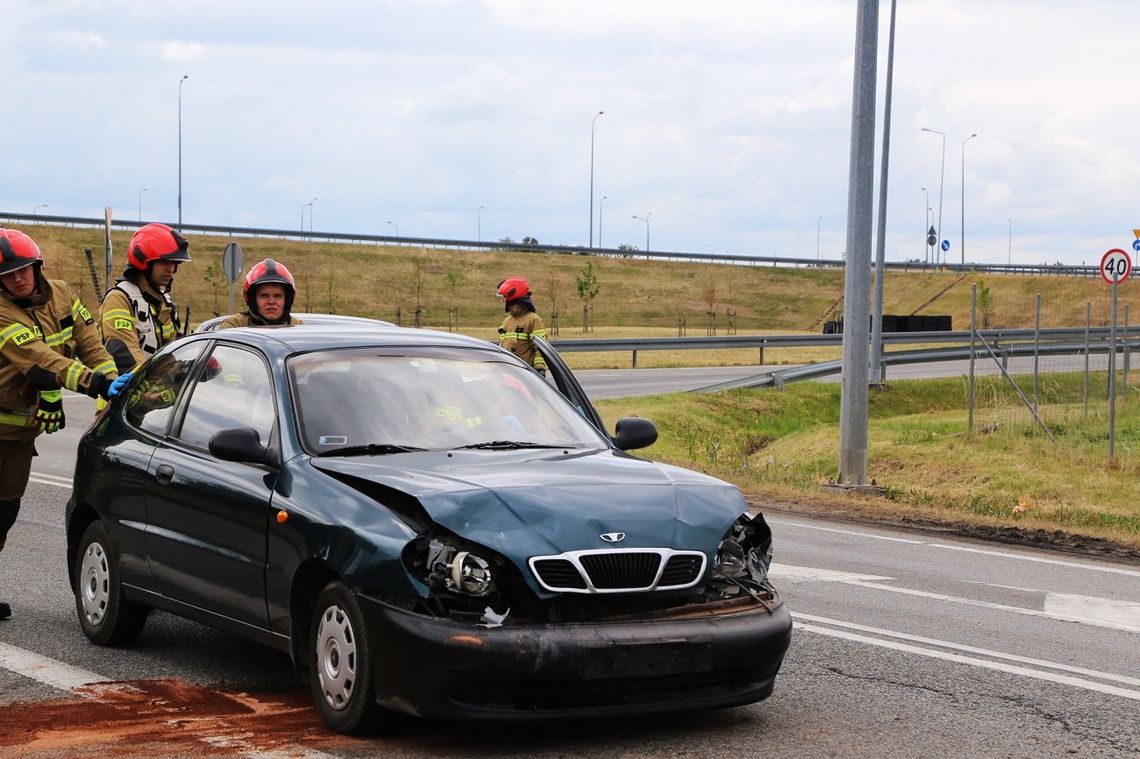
[231, 267]
[1115, 267]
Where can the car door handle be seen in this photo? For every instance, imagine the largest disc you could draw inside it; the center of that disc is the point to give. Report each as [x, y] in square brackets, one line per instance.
[164, 474]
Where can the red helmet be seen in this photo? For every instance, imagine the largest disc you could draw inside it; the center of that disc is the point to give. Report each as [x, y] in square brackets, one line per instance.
[156, 242]
[17, 251]
[513, 288]
[268, 272]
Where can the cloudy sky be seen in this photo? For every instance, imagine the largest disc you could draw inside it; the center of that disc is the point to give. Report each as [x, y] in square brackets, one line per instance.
[727, 120]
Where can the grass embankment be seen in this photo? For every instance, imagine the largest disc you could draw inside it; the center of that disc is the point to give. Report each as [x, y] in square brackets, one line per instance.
[783, 446]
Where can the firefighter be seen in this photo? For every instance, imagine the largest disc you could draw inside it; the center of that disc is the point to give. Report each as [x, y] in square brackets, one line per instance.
[137, 316]
[48, 341]
[522, 324]
[269, 291]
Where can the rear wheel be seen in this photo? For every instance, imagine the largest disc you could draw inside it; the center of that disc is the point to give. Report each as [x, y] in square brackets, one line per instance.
[107, 618]
[340, 663]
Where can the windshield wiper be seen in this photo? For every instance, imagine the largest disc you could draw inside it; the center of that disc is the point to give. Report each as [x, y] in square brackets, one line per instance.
[369, 449]
[505, 445]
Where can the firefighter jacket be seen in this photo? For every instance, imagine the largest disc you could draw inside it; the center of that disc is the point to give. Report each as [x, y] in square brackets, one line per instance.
[517, 335]
[47, 341]
[250, 319]
[136, 320]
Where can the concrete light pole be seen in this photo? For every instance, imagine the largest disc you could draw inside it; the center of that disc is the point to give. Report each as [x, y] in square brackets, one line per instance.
[941, 181]
[479, 225]
[180, 81]
[601, 208]
[646, 220]
[592, 122]
[962, 242]
[140, 202]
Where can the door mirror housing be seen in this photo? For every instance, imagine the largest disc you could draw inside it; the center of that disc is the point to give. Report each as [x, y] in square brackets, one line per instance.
[633, 432]
[241, 444]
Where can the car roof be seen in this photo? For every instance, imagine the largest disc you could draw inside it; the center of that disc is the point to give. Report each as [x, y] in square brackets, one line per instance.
[308, 337]
[211, 324]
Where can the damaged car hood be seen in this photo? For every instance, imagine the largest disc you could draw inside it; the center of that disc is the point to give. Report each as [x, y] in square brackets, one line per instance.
[582, 496]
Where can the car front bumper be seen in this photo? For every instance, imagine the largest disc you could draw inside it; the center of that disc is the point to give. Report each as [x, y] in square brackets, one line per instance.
[440, 669]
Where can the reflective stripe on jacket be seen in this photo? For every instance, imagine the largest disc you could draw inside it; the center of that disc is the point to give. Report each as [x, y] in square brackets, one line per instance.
[516, 335]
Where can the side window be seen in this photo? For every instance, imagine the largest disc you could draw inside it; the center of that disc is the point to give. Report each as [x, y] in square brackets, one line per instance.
[234, 391]
[152, 398]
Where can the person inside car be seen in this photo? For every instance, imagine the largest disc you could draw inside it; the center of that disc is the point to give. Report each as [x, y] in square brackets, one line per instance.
[269, 291]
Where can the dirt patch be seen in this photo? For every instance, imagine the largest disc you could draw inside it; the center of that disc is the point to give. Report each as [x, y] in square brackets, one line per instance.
[1056, 540]
[160, 718]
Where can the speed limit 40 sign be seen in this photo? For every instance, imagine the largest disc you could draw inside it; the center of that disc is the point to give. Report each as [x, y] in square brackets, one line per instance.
[1115, 266]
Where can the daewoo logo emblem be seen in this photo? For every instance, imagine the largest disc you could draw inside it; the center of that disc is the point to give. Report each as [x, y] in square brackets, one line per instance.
[612, 537]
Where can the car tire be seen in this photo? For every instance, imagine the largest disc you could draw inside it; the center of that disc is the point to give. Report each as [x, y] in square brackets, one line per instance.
[340, 663]
[107, 618]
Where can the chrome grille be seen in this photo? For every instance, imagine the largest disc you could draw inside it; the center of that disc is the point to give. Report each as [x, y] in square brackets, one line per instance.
[624, 570]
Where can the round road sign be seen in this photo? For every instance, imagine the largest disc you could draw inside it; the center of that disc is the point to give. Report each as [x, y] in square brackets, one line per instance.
[1136, 245]
[1115, 266]
[945, 245]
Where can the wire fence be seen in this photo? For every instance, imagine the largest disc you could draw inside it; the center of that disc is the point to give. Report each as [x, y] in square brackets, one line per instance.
[1066, 396]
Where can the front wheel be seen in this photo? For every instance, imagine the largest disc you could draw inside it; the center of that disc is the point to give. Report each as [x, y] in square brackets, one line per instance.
[107, 618]
[340, 663]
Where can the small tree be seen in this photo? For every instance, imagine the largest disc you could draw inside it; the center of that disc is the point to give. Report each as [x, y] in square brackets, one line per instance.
[553, 305]
[454, 279]
[710, 301]
[627, 250]
[588, 286]
[532, 241]
[216, 279]
[985, 304]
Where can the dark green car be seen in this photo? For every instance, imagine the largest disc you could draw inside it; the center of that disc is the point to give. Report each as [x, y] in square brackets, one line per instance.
[425, 525]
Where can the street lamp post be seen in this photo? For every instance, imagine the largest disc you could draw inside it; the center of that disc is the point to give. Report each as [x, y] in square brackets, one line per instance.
[479, 225]
[962, 242]
[140, 202]
[1009, 253]
[180, 81]
[926, 225]
[592, 123]
[941, 178]
[601, 207]
[397, 226]
[646, 220]
[308, 205]
[38, 207]
[818, 223]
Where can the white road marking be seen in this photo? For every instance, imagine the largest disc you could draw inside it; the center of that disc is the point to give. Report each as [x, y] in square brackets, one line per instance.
[45, 670]
[1069, 616]
[1091, 607]
[792, 573]
[967, 549]
[51, 479]
[1124, 679]
[1077, 682]
[1087, 610]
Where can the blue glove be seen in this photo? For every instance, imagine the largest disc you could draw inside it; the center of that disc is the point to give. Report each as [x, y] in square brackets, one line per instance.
[118, 385]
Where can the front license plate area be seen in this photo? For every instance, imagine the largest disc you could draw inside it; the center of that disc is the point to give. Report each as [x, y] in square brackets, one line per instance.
[648, 660]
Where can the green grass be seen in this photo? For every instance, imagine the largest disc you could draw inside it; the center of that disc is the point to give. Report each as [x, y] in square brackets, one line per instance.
[783, 445]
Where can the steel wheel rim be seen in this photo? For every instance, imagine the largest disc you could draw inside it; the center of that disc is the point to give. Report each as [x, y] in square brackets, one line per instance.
[94, 584]
[336, 657]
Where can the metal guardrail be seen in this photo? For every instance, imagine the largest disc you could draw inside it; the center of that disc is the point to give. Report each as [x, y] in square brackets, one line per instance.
[1000, 336]
[437, 242]
[781, 377]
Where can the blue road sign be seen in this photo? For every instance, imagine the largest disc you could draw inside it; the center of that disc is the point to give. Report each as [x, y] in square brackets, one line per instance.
[945, 245]
[1136, 245]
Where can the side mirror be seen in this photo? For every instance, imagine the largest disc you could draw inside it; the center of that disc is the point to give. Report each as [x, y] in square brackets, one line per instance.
[241, 444]
[634, 432]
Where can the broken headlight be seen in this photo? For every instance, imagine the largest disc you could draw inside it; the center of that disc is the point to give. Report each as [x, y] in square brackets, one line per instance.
[447, 567]
[745, 551]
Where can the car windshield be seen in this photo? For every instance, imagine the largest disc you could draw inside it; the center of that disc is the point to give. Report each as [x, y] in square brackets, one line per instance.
[382, 402]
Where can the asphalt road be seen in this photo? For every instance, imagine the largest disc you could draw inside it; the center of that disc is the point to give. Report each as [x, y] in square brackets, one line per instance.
[904, 646]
